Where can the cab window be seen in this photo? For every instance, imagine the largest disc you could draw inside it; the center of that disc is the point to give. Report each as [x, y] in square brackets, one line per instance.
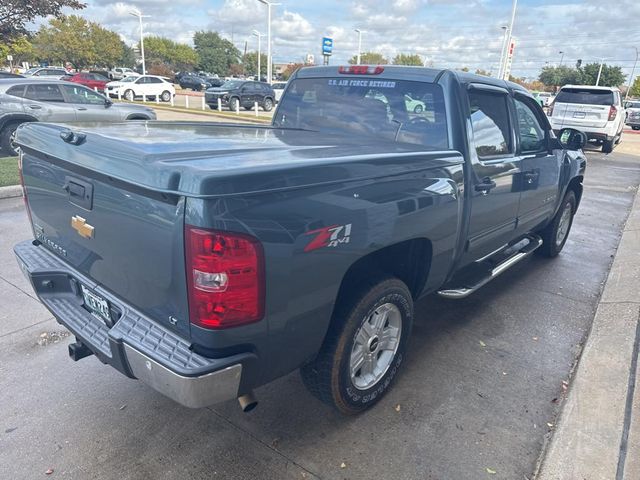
[532, 137]
[490, 122]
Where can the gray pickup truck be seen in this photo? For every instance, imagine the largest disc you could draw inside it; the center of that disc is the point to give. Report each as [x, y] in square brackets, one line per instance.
[208, 259]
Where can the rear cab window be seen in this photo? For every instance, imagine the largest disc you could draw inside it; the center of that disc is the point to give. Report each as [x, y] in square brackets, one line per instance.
[490, 123]
[585, 96]
[393, 110]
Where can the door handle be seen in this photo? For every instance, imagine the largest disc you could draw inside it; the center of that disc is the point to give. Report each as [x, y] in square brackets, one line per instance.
[35, 107]
[531, 176]
[486, 186]
[82, 108]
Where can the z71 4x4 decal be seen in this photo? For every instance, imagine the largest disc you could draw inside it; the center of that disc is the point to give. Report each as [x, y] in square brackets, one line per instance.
[329, 237]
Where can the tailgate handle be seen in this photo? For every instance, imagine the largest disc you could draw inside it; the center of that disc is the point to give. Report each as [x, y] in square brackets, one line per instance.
[80, 192]
[72, 137]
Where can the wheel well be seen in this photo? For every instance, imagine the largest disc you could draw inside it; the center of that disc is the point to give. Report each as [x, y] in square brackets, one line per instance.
[137, 117]
[576, 185]
[409, 261]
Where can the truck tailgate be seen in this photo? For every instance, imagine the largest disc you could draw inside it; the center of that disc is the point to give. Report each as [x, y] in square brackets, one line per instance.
[128, 240]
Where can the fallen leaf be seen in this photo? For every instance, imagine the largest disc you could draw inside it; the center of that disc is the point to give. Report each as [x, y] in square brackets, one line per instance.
[398, 408]
[535, 338]
[49, 471]
[504, 373]
[554, 400]
[550, 425]
[491, 471]
[482, 344]
[343, 465]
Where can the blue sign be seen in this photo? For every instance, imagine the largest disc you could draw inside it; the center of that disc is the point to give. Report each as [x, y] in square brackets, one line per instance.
[327, 45]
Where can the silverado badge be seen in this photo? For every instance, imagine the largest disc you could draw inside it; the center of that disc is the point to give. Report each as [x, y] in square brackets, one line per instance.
[81, 226]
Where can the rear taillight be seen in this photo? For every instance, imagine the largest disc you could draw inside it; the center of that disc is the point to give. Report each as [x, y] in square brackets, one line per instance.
[613, 112]
[225, 278]
[361, 70]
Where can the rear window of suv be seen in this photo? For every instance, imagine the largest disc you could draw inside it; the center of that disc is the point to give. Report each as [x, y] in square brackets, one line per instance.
[585, 96]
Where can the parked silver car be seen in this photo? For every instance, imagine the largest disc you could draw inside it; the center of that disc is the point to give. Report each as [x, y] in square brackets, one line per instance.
[46, 73]
[26, 100]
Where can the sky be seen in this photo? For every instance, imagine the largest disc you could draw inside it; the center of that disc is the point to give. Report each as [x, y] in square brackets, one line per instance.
[445, 33]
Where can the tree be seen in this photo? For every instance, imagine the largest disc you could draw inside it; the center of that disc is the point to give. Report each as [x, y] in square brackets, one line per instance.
[480, 71]
[20, 48]
[16, 14]
[291, 69]
[370, 58]
[406, 59]
[78, 41]
[250, 62]
[128, 58]
[611, 76]
[216, 54]
[164, 53]
[635, 88]
[559, 76]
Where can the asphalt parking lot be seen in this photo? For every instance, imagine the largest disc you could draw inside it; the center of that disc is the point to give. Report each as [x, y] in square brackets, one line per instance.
[477, 399]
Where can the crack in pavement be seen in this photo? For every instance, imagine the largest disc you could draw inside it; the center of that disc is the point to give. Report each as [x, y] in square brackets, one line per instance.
[19, 289]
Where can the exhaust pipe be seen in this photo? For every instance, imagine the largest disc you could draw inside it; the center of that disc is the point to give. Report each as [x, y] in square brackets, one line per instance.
[78, 350]
[247, 402]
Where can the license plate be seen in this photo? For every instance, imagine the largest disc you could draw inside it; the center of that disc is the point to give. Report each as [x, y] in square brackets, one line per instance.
[579, 114]
[96, 305]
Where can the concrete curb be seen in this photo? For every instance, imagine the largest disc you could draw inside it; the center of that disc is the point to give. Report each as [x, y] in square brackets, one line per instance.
[11, 191]
[598, 432]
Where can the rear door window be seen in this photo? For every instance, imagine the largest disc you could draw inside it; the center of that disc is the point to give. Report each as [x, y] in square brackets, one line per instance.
[43, 92]
[81, 95]
[16, 91]
[585, 96]
[490, 121]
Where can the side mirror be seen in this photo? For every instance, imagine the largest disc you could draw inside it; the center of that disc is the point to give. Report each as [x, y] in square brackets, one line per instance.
[107, 103]
[572, 139]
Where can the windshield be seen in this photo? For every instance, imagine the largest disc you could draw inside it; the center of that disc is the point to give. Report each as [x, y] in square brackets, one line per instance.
[31, 71]
[129, 79]
[585, 96]
[231, 84]
[395, 110]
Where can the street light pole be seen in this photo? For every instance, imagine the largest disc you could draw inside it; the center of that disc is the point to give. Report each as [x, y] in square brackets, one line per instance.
[360, 32]
[633, 71]
[259, 35]
[269, 5]
[561, 56]
[506, 52]
[138, 13]
[600, 71]
[504, 47]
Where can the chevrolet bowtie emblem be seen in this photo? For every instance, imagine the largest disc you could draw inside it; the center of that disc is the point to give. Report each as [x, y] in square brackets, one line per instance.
[81, 226]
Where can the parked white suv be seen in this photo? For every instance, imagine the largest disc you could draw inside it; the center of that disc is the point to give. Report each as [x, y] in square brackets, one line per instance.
[632, 109]
[596, 111]
[145, 86]
[120, 73]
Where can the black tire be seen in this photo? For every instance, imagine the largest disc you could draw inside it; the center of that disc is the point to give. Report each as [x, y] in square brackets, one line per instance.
[6, 138]
[552, 245]
[328, 377]
[607, 145]
[248, 108]
[165, 96]
[619, 138]
[267, 105]
[417, 109]
[635, 127]
[129, 95]
[233, 103]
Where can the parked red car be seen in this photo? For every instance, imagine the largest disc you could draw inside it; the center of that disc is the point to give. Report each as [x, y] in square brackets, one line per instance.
[88, 79]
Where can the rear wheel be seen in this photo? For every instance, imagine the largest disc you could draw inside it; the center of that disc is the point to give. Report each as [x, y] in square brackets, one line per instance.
[234, 104]
[635, 127]
[8, 137]
[555, 235]
[129, 95]
[267, 105]
[364, 348]
[166, 96]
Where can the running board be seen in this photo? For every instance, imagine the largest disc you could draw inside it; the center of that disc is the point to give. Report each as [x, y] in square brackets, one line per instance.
[463, 292]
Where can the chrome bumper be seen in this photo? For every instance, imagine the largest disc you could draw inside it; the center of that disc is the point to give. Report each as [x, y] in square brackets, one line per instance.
[135, 345]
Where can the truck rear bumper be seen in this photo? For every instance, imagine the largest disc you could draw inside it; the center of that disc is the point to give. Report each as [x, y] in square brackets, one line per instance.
[135, 345]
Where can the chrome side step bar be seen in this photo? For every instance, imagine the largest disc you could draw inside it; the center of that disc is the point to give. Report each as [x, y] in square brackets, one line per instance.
[462, 292]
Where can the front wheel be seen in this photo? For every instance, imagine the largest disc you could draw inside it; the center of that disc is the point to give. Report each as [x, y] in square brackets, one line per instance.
[234, 104]
[555, 235]
[364, 348]
[129, 95]
[8, 138]
[267, 105]
[607, 145]
[166, 96]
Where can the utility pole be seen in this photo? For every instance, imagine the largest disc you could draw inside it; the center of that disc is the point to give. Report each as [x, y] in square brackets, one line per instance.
[138, 13]
[561, 56]
[513, 19]
[360, 32]
[259, 35]
[600, 71]
[633, 71]
[269, 65]
[504, 48]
